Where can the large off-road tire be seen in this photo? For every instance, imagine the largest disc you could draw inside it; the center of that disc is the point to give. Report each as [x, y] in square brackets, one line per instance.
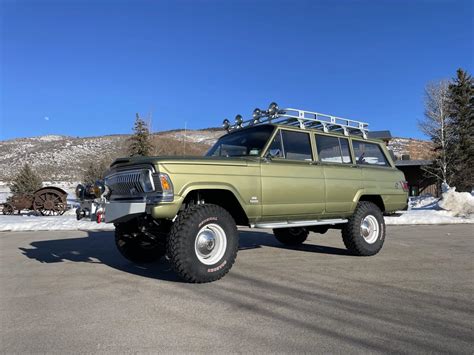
[203, 243]
[135, 246]
[364, 234]
[291, 236]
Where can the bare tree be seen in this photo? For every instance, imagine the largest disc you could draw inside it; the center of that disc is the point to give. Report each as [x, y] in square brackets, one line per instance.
[436, 125]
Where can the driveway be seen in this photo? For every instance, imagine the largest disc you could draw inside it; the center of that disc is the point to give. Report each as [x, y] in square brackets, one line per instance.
[71, 292]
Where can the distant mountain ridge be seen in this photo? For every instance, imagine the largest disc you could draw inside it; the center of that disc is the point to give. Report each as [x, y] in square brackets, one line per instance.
[64, 158]
[416, 149]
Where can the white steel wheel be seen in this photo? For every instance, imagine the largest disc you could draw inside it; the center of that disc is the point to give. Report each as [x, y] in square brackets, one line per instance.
[370, 229]
[210, 244]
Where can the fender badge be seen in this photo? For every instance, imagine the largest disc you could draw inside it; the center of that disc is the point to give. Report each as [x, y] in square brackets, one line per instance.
[253, 199]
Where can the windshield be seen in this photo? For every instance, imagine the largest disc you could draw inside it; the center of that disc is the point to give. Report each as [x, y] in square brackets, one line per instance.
[248, 142]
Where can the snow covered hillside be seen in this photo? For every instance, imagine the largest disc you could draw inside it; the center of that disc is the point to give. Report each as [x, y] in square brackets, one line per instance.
[63, 158]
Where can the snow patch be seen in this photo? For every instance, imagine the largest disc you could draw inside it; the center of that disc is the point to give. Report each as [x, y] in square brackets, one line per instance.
[453, 208]
[458, 203]
[426, 217]
[46, 223]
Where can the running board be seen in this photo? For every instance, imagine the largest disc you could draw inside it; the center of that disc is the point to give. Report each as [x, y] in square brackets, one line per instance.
[291, 224]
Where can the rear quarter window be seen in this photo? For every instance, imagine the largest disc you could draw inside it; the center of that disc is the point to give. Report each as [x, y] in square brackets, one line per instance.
[369, 154]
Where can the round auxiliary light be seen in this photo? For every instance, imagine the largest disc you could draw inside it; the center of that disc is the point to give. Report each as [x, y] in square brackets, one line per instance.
[226, 124]
[273, 109]
[257, 113]
[98, 188]
[239, 120]
[80, 190]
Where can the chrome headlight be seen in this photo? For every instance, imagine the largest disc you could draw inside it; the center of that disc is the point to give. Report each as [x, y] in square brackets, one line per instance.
[146, 180]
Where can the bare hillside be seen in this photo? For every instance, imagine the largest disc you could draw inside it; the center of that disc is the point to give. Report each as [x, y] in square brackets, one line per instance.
[417, 149]
[63, 158]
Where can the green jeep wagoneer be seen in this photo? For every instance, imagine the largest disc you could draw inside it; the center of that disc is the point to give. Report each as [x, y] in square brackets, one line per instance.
[289, 170]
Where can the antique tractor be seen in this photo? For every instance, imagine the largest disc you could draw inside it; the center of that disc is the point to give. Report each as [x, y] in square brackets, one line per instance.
[49, 201]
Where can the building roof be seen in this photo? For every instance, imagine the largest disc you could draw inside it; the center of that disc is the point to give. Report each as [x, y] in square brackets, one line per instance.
[413, 162]
[380, 134]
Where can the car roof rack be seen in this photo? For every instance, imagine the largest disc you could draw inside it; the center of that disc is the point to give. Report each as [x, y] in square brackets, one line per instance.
[300, 118]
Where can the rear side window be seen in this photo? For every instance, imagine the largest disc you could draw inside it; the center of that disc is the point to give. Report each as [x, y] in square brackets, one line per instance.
[333, 149]
[292, 145]
[369, 154]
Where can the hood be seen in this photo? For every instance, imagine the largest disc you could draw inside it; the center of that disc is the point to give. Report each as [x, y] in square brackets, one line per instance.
[183, 160]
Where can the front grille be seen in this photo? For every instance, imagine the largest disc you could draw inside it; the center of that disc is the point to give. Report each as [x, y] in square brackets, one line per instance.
[130, 183]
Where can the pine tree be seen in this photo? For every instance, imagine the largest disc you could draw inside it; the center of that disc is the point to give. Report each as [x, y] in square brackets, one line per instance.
[95, 171]
[26, 182]
[140, 142]
[461, 111]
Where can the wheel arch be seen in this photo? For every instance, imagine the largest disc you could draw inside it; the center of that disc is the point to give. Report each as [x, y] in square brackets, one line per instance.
[220, 196]
[376, 199]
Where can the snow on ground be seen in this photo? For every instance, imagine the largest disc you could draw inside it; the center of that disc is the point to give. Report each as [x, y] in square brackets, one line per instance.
[461, 204]
[454, 207]
[30, 222]
[427, 217]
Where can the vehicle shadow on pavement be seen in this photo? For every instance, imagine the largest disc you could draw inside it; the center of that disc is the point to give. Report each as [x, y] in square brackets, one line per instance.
[252, 240]
[99, 247]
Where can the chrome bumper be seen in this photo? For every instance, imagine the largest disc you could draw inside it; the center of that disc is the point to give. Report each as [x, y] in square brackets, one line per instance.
[122, 211]
[110, 212]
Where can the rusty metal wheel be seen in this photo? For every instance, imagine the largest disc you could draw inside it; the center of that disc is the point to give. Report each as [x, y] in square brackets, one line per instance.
[8, 209]
[49, 202]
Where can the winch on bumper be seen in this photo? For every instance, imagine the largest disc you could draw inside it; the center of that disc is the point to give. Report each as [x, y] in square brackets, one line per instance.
[123, 195]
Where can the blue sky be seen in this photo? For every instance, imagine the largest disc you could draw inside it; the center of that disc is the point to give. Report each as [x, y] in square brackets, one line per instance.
[83, 68]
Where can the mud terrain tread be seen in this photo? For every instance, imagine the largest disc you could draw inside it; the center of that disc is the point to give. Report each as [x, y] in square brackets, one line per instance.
[353, 241]
[183, 226]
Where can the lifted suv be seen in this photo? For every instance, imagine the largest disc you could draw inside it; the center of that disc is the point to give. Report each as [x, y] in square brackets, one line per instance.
[288, 170]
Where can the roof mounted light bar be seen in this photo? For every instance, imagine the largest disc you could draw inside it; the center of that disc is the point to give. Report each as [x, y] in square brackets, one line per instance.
[300, 118]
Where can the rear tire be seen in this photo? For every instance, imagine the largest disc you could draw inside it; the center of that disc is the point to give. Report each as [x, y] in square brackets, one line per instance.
[364, 234]
[291, 236]
[136, 246]
[203, 243]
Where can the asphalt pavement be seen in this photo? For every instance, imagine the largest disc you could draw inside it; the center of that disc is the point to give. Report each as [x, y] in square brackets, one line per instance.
[71, 292]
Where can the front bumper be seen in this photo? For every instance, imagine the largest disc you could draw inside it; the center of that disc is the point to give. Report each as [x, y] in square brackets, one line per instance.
[115, 212]
[110, 212]
[122, 211]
